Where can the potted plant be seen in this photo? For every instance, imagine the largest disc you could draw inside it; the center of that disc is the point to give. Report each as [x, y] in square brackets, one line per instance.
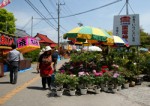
[72, 82]
[60, 80]
[83, 82]
[98, 80]
[121, 81]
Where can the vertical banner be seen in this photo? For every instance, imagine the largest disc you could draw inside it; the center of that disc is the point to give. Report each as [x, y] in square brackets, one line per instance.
[127, 27]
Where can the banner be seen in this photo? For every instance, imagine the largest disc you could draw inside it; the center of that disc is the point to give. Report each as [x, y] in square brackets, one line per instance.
[127, 27]
[27, 44]
[4, 3]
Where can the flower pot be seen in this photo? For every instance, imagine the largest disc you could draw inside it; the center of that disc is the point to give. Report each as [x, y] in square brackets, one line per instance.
[83, 91]
[138, 81]
[110, 86]
[90, 86]
[114, 90]
[72, 92]
[102, 86]
[132, 84]
[97, 90]
[59, 93]
[119, 88]
[126, 85]
[105, 89]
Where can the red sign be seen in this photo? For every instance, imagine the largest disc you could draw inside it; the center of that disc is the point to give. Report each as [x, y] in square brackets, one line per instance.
[6, 40]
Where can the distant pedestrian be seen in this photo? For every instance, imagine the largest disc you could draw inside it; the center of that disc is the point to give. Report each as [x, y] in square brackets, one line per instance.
[13, 57]
[54, 58]
[45, 68]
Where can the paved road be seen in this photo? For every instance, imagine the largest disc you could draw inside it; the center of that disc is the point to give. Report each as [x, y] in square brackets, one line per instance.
[28, 92]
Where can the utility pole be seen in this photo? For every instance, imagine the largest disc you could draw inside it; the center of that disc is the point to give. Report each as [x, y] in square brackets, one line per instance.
[127, 2]
[58, 11]
[58, 22]
[31, 26]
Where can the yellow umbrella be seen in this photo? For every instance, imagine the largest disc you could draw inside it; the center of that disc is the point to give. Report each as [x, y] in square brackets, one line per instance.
[91, 34]
[118, 41]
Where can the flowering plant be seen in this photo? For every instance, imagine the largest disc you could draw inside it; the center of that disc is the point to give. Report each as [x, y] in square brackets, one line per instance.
[85, 79]
[60, 79]
[72, 81]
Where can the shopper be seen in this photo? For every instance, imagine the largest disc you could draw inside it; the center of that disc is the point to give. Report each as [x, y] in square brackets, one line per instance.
[13, 57]
[54, 59]
[45, 68]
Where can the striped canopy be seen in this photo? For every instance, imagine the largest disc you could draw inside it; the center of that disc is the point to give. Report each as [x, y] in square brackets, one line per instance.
[91, 34]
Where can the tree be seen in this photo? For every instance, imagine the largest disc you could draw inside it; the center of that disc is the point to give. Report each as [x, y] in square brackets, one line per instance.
[7, 22]
[145, 38]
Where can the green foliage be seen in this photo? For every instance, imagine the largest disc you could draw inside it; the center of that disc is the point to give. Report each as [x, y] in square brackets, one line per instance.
[60, 79]
[85, 80]
[7, 22]
[72, 81]
[34, 55]
[120, 80]
[98, 80]
[145, 63]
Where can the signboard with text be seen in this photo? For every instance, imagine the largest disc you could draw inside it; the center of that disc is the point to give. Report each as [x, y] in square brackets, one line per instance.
[27, 44]
[127, 27]
[6, 40]
[25, 41]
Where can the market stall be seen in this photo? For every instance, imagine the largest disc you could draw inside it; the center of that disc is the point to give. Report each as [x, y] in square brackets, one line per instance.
[24, 45]
[5, 46]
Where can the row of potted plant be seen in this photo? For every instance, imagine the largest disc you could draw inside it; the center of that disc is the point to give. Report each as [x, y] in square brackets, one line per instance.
[92, 81]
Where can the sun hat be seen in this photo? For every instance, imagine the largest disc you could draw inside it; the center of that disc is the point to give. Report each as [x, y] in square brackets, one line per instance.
[47, 48]
[43, 50]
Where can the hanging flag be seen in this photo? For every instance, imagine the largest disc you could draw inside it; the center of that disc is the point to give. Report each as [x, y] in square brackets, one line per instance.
[4, 3]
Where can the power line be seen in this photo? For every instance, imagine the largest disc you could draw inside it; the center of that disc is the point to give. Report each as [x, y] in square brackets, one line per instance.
[91, 9]
[40, 14]
[51, 14]
[86, 11]
[48, 11]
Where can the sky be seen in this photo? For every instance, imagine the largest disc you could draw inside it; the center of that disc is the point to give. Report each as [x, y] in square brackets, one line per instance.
[101, 18]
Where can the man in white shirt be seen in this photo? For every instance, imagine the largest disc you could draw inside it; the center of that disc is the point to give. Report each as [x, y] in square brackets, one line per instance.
[13, 58]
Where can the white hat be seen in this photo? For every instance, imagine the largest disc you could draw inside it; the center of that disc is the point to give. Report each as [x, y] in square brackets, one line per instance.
[43, 50]
[47, 48]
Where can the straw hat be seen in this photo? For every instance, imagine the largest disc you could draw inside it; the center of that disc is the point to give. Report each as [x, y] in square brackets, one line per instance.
[47, 48]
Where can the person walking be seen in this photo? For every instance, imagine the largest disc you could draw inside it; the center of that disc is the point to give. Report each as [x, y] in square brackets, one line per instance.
[13, 58]
[54, 59]
[45, 68]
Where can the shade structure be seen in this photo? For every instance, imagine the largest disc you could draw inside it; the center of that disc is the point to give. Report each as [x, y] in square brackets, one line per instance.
[91, 34]
[117, 41]
[92, 48]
